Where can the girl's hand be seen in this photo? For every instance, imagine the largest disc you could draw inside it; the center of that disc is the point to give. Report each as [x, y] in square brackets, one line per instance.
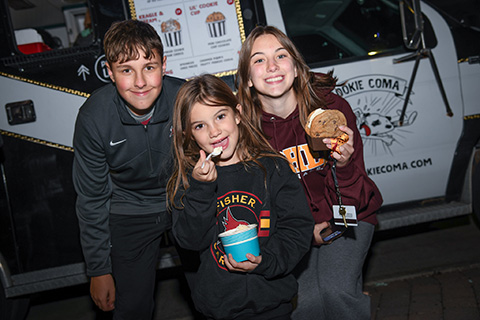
[244, 266]
[206, 174]
[345, 151]
[317, 239]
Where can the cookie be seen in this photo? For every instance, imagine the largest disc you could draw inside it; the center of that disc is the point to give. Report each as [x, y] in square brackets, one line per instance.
[324, 123]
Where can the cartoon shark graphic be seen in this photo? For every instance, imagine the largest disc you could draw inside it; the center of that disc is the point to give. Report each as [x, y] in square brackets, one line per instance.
[230, 222]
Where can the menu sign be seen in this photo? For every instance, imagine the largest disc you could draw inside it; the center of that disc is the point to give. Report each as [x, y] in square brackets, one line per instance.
[198, 36]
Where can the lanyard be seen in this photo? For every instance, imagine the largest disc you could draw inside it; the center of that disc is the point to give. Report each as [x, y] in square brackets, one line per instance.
[341, 209]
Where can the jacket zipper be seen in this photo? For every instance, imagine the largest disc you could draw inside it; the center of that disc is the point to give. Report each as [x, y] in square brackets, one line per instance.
[148, 147]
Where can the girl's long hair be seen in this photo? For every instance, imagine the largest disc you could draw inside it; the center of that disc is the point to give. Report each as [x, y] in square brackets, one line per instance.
[304, 85]
[212, 91]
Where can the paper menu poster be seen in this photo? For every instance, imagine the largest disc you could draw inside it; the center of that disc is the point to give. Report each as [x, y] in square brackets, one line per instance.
[198, 36]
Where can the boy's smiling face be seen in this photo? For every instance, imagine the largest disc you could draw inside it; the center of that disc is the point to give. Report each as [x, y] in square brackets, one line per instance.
[139, 81]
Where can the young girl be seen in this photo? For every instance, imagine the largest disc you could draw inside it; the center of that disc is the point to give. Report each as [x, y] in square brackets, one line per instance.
[278, 91]
[248, 183]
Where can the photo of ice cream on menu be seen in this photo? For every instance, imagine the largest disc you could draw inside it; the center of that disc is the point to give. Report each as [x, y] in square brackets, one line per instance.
[216, 24]
[171, 31]
[198, 36]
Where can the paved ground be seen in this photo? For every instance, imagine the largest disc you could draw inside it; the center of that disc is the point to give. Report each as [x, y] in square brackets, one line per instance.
[446, 295]
[430, 275]
[422, 273]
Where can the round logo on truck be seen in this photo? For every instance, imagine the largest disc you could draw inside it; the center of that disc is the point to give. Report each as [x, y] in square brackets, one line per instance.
[101, 69]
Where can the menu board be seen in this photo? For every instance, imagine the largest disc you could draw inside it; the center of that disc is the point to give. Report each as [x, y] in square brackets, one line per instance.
[198, 36]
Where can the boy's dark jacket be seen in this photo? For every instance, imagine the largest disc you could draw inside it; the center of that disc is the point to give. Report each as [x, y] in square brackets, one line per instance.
[356, 188]
[120, 166]
[239, 196]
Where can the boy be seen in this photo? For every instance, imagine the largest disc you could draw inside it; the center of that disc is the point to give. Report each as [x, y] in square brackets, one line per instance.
[122, 154]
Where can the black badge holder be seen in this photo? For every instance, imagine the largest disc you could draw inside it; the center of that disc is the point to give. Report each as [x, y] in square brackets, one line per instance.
[333, 231]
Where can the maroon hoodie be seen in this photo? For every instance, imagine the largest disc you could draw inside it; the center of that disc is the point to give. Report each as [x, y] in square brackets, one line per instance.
[356, 188]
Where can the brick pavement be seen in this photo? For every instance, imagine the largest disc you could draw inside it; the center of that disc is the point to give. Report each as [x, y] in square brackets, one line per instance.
[452, 294]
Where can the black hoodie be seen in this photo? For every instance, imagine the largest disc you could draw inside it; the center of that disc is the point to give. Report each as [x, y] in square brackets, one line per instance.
[244, 195]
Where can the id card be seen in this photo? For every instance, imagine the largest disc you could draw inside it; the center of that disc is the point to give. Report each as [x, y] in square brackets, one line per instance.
[350, 215]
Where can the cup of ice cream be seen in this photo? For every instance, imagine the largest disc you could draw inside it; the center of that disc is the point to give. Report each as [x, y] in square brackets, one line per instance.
[240, 241]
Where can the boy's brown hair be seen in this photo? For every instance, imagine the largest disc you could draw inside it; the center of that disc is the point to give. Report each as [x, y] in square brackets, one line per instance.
[124, 38]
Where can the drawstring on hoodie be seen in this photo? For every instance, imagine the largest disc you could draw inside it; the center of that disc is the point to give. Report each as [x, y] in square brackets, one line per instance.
[299, 167]
[272, 119]
[298, 160]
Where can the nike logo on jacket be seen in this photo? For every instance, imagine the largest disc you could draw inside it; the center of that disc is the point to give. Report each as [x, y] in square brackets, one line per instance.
[112, 144]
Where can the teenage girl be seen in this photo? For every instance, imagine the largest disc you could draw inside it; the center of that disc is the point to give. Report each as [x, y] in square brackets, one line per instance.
[248, 183]
[278, 91]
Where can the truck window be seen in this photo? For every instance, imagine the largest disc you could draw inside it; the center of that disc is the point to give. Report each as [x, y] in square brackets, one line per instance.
[46, 25]
[463, 18]
[344, 29]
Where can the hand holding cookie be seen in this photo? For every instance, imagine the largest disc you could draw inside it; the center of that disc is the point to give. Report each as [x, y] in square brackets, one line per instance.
[338, 141]
[342, 146]
[327, 129]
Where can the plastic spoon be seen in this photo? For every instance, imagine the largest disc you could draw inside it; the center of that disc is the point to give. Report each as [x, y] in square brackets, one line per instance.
[214, 153]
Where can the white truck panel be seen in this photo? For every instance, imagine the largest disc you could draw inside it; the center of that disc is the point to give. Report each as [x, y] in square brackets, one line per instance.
[55, 111]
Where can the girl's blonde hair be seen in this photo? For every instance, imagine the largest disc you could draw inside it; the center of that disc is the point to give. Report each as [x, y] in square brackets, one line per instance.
[304, 84]
[211, 91]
